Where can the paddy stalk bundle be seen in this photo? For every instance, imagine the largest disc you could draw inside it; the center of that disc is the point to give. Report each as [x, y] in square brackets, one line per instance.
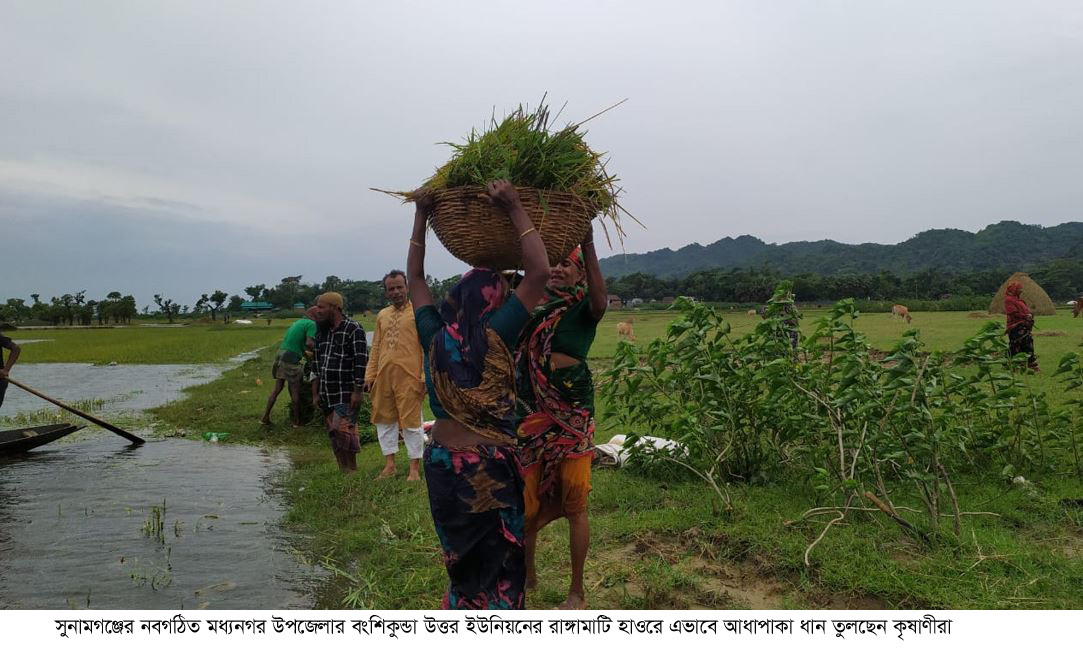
[562, 183]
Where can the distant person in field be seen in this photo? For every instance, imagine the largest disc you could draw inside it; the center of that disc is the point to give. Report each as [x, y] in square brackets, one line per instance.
[556, 392]
[394, 379]
[5, 367]
[783, 306]
[288, 367]
[1020, 324]
[341, 355]
[472, 462]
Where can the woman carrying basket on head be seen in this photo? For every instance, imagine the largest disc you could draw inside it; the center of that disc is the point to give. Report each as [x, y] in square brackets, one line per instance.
[557, 392]
[471, 464]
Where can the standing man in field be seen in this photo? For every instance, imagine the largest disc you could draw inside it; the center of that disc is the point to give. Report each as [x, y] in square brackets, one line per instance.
[394, 378]
[288, 368]
[341, 355]
[5, 368]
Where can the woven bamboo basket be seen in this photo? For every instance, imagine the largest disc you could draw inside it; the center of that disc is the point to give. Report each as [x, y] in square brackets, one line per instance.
[483, 236]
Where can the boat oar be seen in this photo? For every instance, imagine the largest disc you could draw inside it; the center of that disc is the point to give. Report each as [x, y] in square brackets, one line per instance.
[86, 416]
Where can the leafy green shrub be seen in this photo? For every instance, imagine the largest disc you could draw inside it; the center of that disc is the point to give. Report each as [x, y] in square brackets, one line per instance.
[858, 427]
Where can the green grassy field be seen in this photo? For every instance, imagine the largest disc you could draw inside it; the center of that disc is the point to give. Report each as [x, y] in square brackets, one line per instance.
[662, 544]
[196, 343]
[655, 544]
[940, 330]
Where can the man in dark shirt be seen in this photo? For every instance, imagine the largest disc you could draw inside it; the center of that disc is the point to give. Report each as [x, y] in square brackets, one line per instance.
[6, 344]
[341, 355]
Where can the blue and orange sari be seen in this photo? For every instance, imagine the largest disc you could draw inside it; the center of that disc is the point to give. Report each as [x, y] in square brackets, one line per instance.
[476, 493]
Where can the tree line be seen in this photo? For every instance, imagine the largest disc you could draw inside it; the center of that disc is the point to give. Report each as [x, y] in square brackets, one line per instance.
[1062, 279]
[75, 309]
[71, 309]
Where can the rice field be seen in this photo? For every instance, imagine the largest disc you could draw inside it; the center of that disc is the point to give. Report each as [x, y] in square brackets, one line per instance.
[656, 543]
[195, 343]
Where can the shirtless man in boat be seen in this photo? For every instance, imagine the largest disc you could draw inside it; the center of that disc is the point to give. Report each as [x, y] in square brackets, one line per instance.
[6, 344]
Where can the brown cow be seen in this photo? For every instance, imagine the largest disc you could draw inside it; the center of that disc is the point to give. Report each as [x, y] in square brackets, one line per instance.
[1078, 308]
[625, 329]
[899, 311]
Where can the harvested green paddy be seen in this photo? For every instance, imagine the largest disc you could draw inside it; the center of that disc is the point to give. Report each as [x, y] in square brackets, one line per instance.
[661, 542]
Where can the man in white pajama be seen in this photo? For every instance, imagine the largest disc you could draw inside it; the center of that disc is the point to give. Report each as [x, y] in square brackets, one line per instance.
[395, 380]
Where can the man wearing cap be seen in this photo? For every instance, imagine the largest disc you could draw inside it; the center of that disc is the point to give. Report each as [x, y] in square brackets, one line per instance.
[288, 368]
[341, 355]
[395, 380]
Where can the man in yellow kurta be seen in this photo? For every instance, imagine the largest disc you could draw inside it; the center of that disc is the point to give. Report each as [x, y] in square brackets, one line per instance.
[395, 380]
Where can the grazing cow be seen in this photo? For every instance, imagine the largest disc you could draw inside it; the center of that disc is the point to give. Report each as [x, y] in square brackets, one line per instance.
[752, 312]
[1078, 308]
[625, 329]
[899, 311]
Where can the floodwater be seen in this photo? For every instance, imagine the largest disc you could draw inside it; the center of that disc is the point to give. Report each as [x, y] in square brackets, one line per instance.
[79, 528]
[123, 388]
[90, 522]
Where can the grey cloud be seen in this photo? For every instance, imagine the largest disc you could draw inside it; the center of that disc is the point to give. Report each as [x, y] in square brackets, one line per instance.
[849, 120]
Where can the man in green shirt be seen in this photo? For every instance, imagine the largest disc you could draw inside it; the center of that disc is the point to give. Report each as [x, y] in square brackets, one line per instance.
[288, 369]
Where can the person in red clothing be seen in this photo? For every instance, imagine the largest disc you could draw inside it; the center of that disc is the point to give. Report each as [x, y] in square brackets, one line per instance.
[1020, 324]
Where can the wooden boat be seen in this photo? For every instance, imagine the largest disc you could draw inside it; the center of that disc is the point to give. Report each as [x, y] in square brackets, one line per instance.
[15, 441]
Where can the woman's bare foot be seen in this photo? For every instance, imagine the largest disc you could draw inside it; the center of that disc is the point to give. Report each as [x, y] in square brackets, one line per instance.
[573, 603]
[265, 422]
[413, 476]
[386, 473]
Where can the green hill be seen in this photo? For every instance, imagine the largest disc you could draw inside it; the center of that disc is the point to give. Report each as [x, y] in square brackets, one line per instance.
[1004, 245]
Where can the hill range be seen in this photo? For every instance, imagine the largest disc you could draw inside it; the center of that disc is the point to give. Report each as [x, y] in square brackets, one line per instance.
[1004, 245]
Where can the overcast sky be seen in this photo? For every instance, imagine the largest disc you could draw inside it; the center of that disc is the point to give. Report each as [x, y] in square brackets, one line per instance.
[185, 146]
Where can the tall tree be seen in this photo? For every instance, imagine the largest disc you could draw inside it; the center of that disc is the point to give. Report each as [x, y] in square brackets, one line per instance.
[168, 307]
[215, 302]
[16, 310]
[66, 303]
[256, 292]
[128, 309]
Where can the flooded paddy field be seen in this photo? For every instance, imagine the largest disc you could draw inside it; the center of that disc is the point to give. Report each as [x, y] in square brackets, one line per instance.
[91, 522]
[172, 524]
[118, 391]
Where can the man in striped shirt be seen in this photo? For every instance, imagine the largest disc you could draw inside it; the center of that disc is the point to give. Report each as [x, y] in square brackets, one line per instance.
[341, 356]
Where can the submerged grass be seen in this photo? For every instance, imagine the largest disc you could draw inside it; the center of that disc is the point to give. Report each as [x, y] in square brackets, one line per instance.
[51, 414]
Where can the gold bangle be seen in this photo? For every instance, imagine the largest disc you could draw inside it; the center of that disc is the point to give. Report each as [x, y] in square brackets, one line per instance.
[526, 232]
[420, 245]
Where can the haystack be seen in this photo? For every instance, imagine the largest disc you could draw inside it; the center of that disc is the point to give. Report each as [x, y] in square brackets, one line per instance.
[1033, 295]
